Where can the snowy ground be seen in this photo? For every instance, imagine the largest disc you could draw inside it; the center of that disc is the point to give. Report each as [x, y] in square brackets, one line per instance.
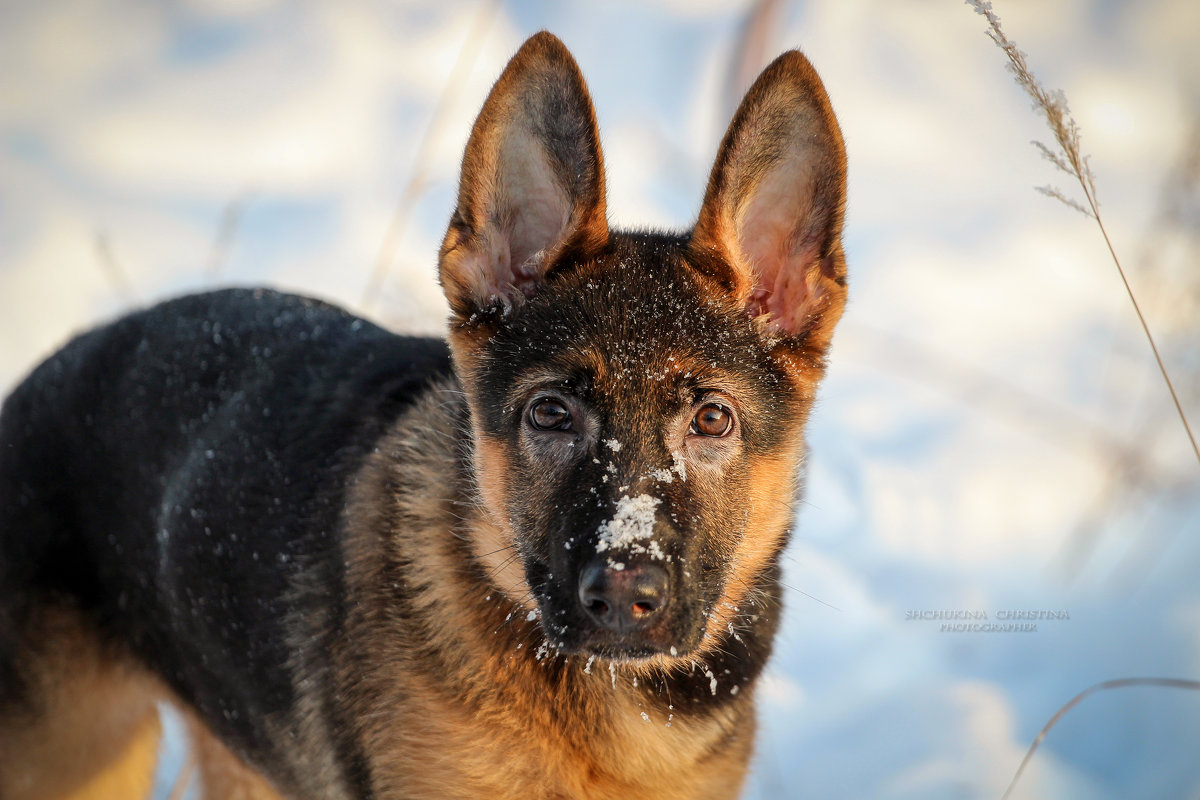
[993, 436]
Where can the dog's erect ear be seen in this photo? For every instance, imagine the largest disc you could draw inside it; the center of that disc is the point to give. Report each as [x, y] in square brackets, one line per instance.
[774, 205]
[532, 182]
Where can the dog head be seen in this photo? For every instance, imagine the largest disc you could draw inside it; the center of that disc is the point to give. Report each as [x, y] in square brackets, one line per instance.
[638, 399]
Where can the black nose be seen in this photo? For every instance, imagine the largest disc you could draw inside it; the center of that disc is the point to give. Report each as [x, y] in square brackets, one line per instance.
[626, 599]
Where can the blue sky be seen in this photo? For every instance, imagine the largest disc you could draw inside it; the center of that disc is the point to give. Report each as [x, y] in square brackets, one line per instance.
[992, 435]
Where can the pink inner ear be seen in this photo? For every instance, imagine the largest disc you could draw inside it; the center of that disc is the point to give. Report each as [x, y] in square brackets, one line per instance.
[779, 239]
[534, 211]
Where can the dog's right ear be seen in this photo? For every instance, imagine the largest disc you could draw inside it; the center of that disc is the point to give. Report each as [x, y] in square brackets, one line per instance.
[532, 182]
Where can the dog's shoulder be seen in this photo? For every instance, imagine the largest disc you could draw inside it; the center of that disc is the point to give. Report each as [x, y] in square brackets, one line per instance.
[182, 464]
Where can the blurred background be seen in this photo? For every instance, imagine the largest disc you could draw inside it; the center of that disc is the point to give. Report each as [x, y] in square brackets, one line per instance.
[993, 436]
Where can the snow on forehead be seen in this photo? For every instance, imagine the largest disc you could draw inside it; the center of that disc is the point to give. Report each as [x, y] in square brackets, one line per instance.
[633, 522]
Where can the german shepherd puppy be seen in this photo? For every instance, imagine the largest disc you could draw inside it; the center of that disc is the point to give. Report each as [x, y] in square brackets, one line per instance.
[537, 561]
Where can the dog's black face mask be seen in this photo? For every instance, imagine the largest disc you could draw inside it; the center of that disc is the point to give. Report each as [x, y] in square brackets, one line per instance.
[638, 400]
[636, 430]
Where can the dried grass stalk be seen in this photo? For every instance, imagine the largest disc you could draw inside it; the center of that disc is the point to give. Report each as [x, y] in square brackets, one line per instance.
[1119, 683]
[1070, 160]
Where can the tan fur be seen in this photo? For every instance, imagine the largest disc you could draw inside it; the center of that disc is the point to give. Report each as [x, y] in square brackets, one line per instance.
[766, 504]
[90, 727]
[222, 775]
[492, 536]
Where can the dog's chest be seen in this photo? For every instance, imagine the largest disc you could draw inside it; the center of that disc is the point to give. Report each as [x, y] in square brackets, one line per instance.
[503, 751]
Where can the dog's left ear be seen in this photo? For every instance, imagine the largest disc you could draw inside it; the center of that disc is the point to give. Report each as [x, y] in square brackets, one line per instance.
[770, 226]
[532, 182]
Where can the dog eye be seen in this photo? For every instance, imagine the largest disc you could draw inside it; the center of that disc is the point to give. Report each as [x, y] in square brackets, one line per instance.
[549, 414]
[712, 420]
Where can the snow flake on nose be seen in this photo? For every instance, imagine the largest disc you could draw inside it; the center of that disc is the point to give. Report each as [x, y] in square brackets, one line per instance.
[632, 524]
[680, 466]
[678, 469]
[662, 475]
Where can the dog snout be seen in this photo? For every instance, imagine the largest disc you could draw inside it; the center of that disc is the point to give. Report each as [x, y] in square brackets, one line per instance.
[624, 599]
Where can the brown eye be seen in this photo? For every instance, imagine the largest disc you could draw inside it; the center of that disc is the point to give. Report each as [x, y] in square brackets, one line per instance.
[712, 420]
[549, 414]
